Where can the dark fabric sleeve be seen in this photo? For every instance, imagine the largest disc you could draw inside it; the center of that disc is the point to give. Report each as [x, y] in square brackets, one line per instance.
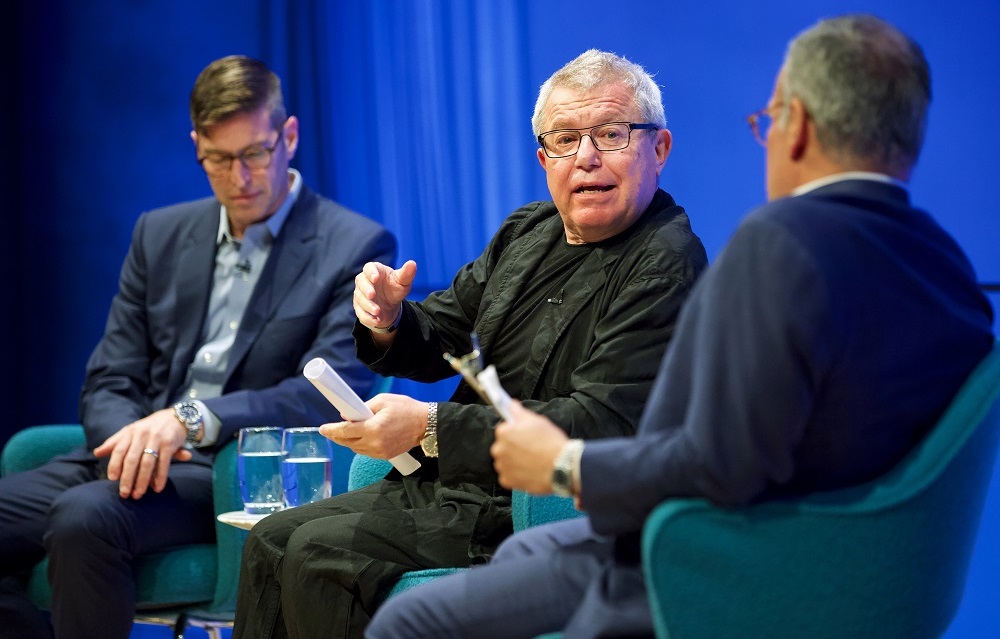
[443, 321]
[114, 392]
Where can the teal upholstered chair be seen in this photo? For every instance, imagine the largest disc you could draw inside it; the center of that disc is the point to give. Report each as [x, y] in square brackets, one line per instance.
[167, 582]
[529, 510]
[887, 559]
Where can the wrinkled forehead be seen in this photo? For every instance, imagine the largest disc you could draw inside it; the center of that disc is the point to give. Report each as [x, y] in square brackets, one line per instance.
[570, 107]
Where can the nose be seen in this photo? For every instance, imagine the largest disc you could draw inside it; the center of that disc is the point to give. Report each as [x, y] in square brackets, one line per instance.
[239, 174]
[587, 154]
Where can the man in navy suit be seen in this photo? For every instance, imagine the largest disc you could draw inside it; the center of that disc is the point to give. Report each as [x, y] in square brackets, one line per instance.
[822, 344]
[220, 304]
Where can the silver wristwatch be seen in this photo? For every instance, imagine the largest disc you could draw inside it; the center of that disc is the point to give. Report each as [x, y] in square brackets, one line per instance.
[562, 469]
[429, 443]
[190, 416]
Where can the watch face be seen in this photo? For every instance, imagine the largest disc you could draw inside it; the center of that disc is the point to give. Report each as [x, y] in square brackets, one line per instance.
[430, 445]
[562, 481]
[189, 413]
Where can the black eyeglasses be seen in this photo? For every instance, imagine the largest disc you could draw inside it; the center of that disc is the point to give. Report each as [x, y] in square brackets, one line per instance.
[760, 123]
[612, 136]
[255, 158]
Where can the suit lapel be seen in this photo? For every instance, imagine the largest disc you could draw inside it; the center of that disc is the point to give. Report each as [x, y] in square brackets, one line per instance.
[195, 268]
[291, 251]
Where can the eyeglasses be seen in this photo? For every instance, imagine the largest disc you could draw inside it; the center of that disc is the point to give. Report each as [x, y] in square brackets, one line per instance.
[254, 158]
[612, 136]
[760, 123]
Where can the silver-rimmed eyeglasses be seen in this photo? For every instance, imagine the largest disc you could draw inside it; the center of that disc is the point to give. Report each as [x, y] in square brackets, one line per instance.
[256, 157]
[611, 136]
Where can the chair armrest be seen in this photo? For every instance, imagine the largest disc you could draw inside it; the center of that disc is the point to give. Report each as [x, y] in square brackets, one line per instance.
[366, 470]
[533, 510]
[35, 445]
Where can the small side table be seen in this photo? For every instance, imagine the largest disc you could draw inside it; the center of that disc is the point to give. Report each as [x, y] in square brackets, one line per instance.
[241, 518]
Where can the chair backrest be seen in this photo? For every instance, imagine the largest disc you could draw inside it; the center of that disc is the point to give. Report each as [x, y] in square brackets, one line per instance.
[886, 559]
[33, 446]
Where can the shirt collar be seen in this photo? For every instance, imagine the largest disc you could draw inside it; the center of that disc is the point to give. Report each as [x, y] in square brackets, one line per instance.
[273, 223]
[847, 175]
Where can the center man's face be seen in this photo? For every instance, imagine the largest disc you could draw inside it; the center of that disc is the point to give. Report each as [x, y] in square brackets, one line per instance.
[599, 194]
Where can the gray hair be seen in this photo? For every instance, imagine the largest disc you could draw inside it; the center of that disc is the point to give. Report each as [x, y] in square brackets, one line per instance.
[593, 68]
[866, 86]
[232, 86]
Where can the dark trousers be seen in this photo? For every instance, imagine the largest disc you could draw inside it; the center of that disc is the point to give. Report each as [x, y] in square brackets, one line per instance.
[561, 577]
[321, 570]
[91, 536]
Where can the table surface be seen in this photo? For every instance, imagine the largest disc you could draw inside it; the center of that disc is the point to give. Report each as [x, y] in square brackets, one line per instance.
[241, 519]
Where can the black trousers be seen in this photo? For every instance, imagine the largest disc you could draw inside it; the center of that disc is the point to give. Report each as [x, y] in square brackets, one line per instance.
[322, 569]
[91, 536]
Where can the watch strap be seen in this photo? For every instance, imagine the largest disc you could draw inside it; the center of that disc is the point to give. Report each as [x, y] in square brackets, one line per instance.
[391, 328]
[428, 443]
[566, 468]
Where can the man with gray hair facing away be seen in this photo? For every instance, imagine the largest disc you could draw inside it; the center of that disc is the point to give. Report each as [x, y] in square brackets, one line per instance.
[573, 301]
[822, 344]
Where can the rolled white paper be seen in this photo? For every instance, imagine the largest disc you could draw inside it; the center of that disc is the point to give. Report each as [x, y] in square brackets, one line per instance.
[337, 392]
[490, 382]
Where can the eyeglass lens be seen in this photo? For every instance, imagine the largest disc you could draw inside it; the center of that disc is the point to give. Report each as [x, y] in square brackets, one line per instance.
[760, 124]
[255, 158]
[606, 137]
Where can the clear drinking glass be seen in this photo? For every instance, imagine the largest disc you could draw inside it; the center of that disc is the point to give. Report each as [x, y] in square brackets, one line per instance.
[306, 466]
[259, 467]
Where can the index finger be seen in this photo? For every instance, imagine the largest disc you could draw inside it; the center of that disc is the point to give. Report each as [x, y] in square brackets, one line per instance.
[372, 271]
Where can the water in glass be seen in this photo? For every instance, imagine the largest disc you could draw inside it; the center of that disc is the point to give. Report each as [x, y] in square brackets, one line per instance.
[306, 468]
[259, 468]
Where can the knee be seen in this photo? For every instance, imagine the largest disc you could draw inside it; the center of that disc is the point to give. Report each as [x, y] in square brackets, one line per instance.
[88, 515]
[320, 554]
[264, 547]
[403, 616]
[310, 542]
[525, 543]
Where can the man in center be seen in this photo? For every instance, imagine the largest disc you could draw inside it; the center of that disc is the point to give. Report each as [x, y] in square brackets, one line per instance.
[574, 301]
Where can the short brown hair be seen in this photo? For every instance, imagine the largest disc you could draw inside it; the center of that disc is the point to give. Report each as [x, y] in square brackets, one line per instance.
[232, 86]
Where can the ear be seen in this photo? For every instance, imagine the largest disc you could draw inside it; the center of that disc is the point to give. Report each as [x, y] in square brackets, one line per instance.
[798, 131]
[194, 138]
[542, 158]
[663, 143]
[291, 135]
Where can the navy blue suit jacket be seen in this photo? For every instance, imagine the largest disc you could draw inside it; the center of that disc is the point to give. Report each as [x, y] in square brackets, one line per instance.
[301, 308]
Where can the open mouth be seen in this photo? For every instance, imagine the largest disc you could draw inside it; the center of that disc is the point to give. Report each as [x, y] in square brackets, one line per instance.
[593, 189]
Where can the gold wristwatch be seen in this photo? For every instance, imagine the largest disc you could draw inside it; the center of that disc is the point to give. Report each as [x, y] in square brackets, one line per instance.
[429, 442]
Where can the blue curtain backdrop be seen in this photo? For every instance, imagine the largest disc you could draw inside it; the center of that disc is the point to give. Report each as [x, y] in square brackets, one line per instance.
[417, 114]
